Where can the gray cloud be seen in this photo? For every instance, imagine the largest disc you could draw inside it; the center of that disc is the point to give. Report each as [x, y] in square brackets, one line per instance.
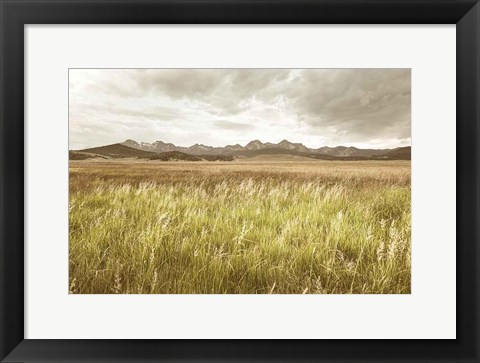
[148, 113]
[361, 107]
[364, 102]
[228, 125]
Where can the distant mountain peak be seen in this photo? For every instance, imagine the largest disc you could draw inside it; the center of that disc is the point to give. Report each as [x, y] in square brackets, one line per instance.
[256, 146]
[131, 143]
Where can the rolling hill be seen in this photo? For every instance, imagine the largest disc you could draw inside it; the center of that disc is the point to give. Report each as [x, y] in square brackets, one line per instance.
[117, 151]
[402, 153]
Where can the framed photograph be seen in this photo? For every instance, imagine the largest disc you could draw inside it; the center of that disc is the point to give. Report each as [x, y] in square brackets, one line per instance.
[239, 181]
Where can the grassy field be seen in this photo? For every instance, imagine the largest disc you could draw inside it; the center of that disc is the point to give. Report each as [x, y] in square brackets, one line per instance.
[244, 227]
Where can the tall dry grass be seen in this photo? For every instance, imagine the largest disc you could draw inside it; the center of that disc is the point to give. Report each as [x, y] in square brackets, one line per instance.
[194, 228]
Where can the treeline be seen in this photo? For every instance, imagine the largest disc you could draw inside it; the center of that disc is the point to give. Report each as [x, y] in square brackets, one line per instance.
[75, 155]
[177, 155]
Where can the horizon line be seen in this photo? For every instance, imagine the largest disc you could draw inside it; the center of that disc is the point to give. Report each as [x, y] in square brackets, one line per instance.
[267, 142]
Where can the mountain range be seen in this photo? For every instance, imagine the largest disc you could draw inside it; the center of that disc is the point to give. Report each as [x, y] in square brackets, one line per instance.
[256, 146]
[160, 150]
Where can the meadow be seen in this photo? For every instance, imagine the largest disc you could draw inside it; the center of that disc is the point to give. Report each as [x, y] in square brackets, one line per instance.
[242, 227]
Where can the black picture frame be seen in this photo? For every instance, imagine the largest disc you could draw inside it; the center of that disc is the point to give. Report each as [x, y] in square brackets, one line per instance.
[15, 14]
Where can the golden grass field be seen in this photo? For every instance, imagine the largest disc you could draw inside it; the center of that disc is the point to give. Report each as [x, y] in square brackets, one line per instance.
[251, 226]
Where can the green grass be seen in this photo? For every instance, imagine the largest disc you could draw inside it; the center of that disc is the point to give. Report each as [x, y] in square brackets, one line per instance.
[238, 233]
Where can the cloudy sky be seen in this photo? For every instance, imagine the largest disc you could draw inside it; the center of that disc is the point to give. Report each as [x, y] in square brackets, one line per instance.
[217, 107]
